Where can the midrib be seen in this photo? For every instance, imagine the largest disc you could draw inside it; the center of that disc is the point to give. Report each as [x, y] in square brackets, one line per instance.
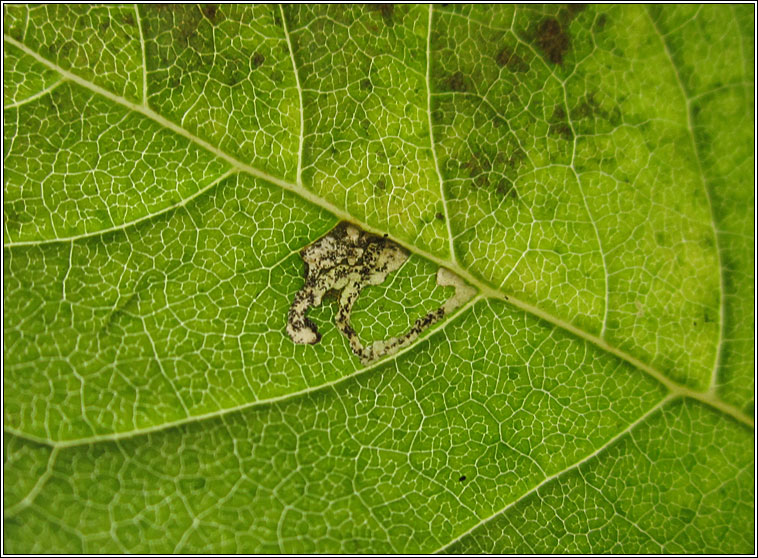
[485, 289]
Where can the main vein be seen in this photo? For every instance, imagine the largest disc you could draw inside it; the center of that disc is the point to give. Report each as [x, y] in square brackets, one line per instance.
[485, 289]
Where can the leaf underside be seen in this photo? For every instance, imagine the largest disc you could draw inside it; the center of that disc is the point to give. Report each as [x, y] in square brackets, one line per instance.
[588, 171]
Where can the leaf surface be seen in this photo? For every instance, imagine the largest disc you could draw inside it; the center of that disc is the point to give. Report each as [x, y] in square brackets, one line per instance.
[587, 171]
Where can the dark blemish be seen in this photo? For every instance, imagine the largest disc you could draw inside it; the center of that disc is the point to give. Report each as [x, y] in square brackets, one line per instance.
[463, 478]
[559, 124]
[478, 170]
[509, 59]
[104, 26]
[440, 216]
[209, 11]
[258, 60]
[167, 7]
[552, 40]
[128, 19]
[186, 27]
[198, 483]
[381, 184]
[602, 20]
[65, 49]
[660, 239]
[456, 82]
[574, 9]
[366, 85]
[589, 107]
[513, 161]
[387, 12]
[505, 189]
[583, 110]
[569, 12]
[233, 73]
[686, 515]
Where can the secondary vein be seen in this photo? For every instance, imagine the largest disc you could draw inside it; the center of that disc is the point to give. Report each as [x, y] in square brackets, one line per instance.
[485, 290]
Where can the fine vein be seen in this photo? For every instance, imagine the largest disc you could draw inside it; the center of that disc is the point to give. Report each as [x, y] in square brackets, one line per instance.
[221, 412]
[484, 288]
[299, 94]
[550, 478]
[693, 145]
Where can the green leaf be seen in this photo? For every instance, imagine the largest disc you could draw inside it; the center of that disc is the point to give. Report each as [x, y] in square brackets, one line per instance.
[588, 172]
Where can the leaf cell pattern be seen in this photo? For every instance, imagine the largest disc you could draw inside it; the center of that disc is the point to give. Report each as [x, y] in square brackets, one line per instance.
[587, 171]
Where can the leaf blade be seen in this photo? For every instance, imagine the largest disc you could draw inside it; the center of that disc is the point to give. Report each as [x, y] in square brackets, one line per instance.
[226, 230]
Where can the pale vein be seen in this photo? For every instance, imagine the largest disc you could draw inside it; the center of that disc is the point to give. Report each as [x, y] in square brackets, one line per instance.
[550, 478]
[691, 133]
[484, 289]
[431, 132]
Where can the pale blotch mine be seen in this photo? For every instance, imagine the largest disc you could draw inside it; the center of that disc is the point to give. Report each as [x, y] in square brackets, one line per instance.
[343, 262]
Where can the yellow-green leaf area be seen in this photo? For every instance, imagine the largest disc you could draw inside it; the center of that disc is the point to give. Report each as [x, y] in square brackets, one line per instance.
[367, 145]
[378, 279]
[78, 165]
[101, 44]
[224, 73]
[24, 78]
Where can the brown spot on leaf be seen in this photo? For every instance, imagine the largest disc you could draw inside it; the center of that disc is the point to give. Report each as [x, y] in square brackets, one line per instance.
[506, 190]
[210, 11]
[553, 40]
[590, 109]
[457, 82]
[258, 60]
[601, 22]
[509, 59]
[559, 124]
[510, 159]
[574, 9]
[387, 12]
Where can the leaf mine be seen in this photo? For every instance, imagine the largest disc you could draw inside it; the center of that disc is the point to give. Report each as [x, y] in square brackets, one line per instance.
[343, 262]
